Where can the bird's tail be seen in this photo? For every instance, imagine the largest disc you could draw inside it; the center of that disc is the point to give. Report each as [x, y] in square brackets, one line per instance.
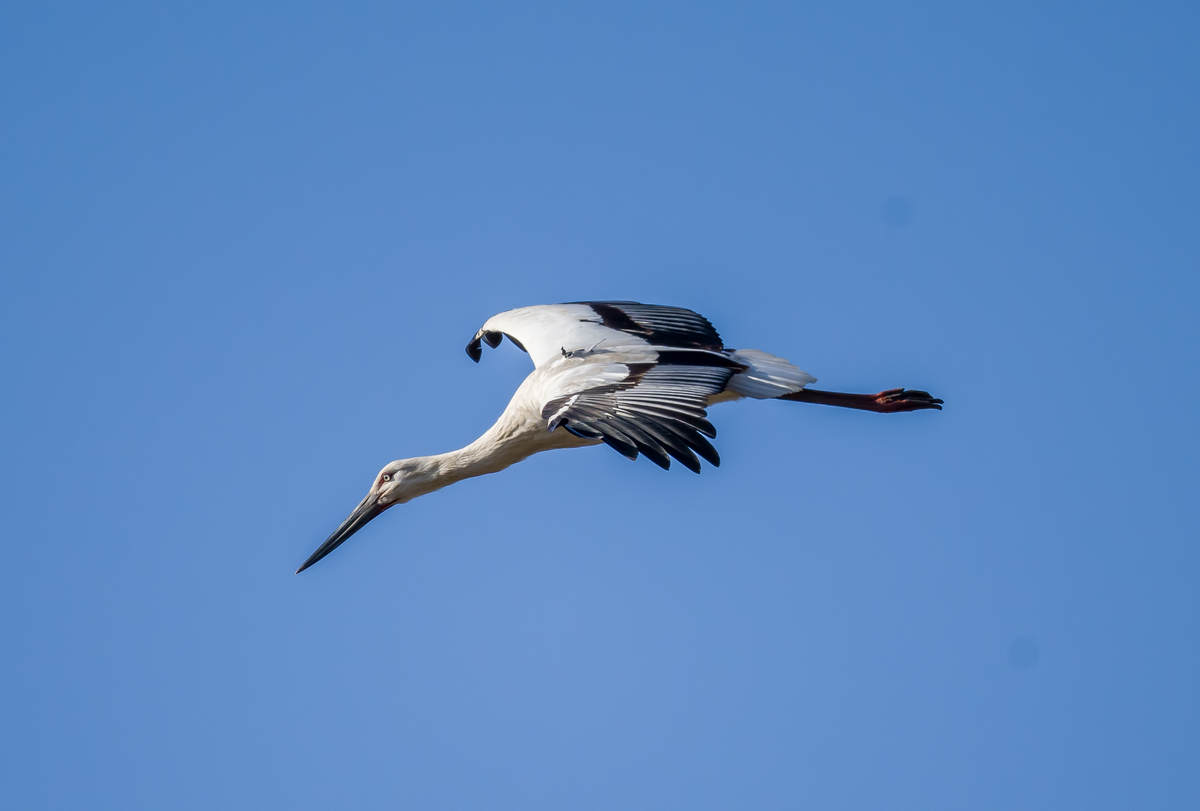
[766, 375]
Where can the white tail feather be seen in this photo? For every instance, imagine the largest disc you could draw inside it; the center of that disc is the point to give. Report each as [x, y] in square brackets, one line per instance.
[768, 376]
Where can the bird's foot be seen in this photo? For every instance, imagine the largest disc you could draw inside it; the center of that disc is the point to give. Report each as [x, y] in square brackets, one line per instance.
[894, 400]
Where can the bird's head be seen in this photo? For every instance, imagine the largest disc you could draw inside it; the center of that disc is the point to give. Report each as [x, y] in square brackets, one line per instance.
[398, 482]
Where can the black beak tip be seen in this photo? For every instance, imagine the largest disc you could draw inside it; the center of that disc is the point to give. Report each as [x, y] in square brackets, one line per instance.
[362, 514]
[318, 555]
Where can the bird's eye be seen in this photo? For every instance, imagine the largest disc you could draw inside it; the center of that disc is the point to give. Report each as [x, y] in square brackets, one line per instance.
[386, 477]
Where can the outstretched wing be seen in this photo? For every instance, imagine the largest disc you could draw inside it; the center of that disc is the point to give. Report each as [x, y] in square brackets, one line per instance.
[549, 331]
[653, 404]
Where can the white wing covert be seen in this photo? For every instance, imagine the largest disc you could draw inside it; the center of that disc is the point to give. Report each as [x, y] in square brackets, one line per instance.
[550, 331]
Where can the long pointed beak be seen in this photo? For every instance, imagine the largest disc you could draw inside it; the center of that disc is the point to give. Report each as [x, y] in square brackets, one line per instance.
[364, 512]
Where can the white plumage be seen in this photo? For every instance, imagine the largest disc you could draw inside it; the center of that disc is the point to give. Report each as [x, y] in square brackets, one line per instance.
[766, 376]
[637, 377]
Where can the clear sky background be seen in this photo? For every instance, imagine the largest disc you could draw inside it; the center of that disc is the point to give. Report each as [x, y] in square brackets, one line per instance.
[244, 248]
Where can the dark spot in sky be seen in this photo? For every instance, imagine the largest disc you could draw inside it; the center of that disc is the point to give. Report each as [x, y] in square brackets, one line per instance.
[1023, 653]
[897, 211]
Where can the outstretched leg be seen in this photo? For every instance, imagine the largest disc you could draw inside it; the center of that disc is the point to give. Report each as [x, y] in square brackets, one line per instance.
[886, 402]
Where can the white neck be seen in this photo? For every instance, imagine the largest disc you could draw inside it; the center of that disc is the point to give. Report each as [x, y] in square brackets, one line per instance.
[498, 447]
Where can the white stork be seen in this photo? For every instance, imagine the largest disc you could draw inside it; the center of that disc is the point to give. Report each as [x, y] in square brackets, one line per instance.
[637, 377]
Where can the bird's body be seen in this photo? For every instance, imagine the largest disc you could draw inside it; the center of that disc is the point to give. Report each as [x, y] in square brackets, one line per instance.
[634, 376]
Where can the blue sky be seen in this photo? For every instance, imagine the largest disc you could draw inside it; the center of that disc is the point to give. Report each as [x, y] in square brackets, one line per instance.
[245, 247]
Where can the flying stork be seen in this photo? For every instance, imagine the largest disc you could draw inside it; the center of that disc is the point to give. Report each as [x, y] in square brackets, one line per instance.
[637, 377]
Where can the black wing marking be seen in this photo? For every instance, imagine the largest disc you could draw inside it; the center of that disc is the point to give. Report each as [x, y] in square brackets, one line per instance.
[657, 410]
[493, 339]
[659, 325]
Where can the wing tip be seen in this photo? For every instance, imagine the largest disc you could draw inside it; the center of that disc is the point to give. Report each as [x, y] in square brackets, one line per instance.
[475, 349]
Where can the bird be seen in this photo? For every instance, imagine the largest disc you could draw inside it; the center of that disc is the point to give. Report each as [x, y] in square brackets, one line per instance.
[636, 377]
